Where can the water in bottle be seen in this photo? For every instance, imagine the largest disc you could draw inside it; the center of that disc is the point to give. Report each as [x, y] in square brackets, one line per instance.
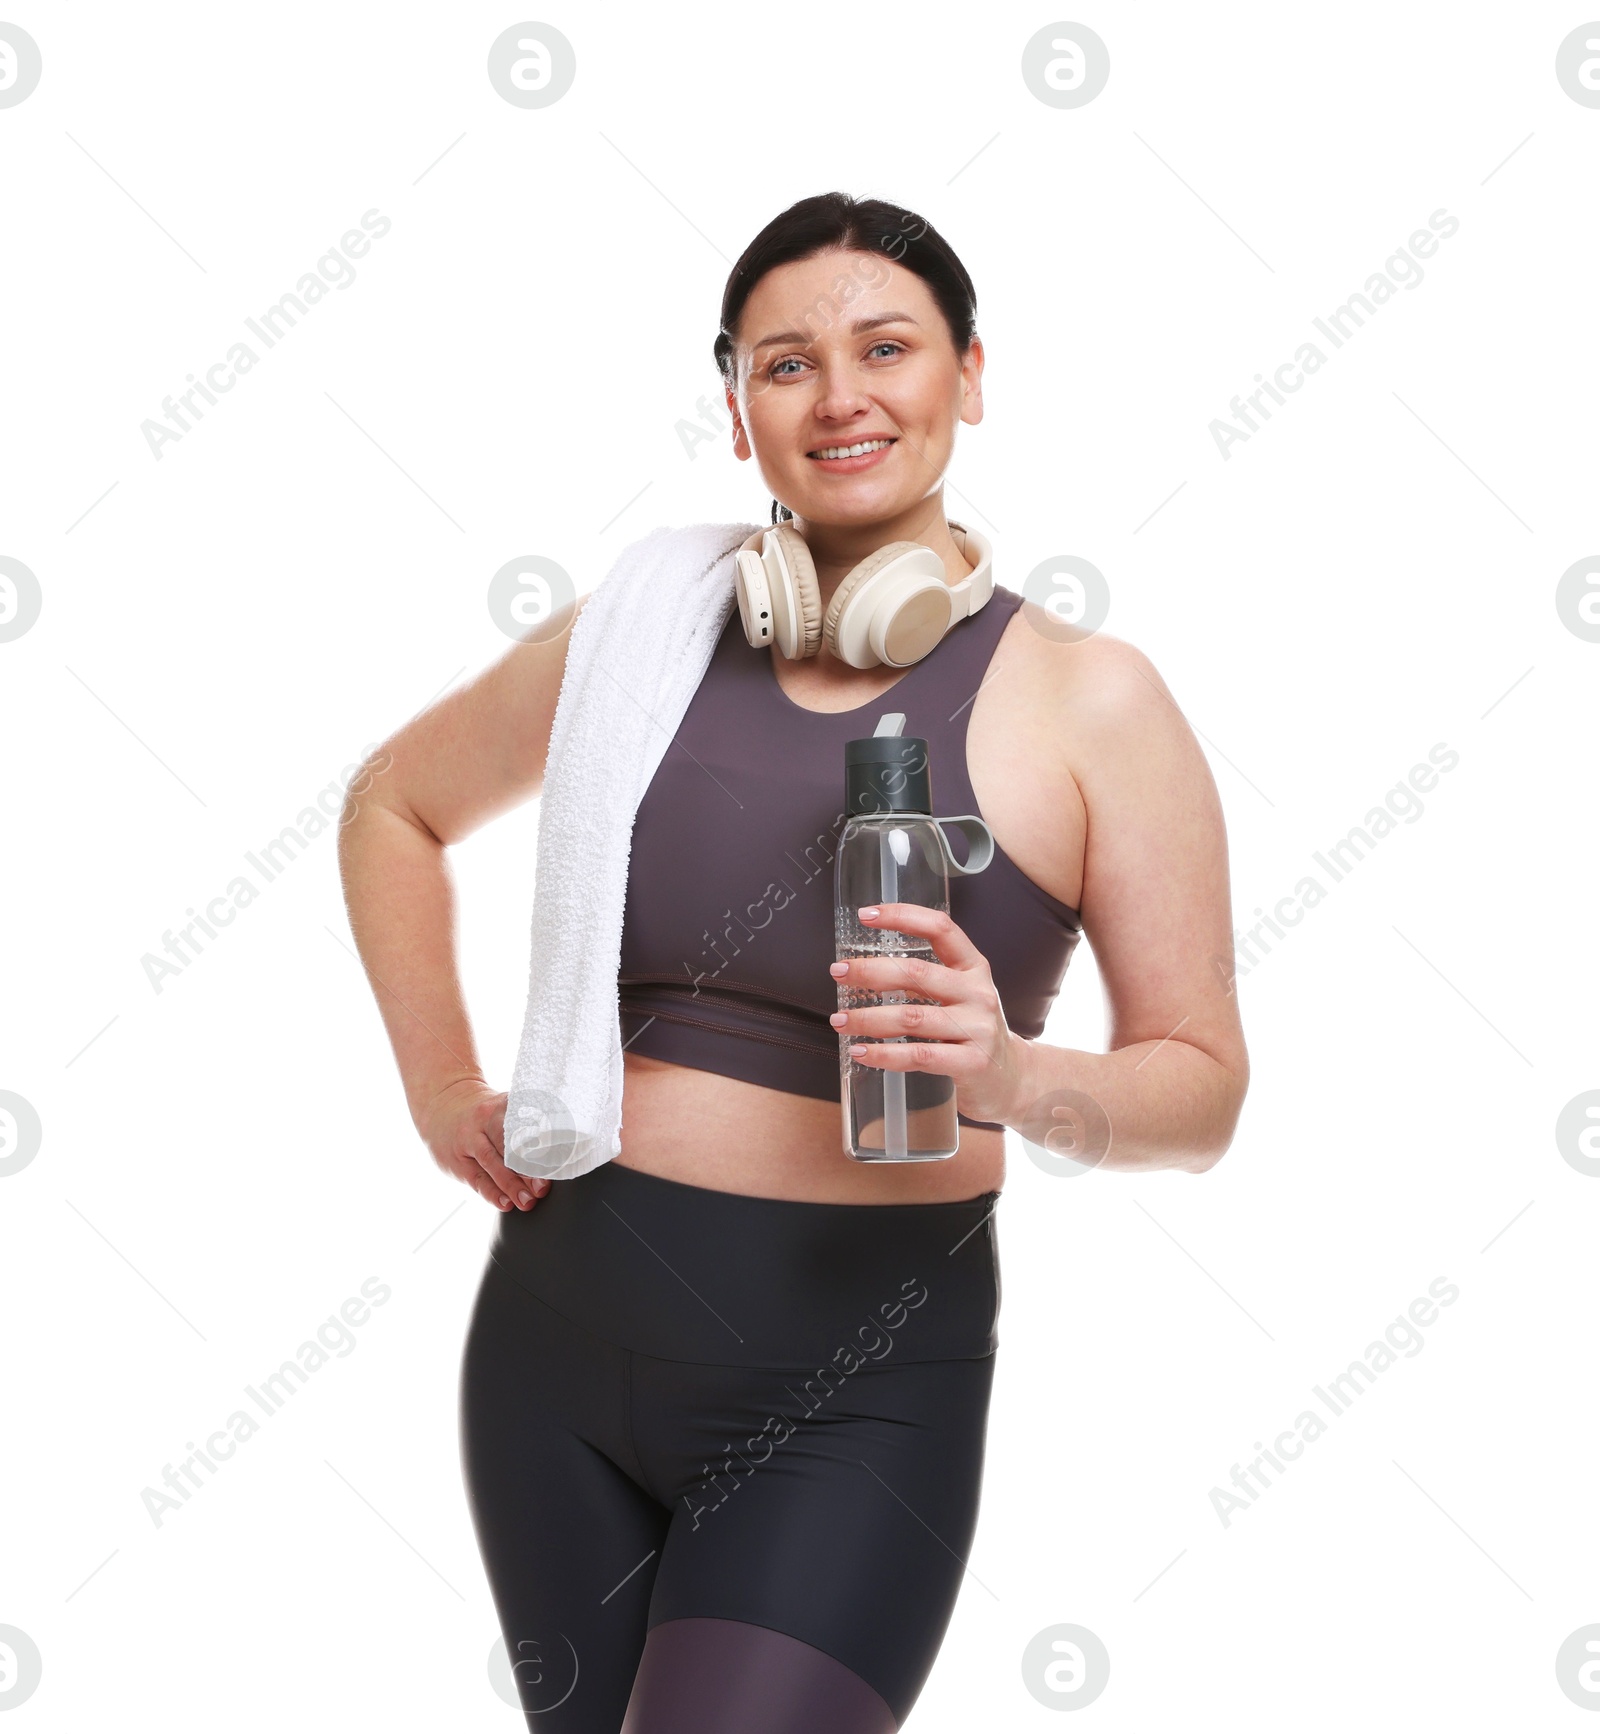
[892, 850]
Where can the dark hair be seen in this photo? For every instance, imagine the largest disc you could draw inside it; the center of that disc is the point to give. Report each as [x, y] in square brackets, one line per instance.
[835, 220]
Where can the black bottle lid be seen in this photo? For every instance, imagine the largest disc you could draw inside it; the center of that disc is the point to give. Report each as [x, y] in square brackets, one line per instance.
[887, 773]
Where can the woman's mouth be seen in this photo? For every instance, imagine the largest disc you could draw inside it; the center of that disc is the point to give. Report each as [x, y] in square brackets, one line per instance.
[846, 459]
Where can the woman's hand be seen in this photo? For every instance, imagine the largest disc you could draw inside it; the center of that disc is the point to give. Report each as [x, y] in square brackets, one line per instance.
[963, 1036]
[464, 1129]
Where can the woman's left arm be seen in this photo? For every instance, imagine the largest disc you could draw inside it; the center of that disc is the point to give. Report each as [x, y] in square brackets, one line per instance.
[1157, 912]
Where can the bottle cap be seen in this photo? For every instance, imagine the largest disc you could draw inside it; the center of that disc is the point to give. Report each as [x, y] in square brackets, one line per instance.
[887, 773]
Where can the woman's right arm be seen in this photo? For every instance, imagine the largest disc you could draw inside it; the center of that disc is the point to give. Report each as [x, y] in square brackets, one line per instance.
[477, 752]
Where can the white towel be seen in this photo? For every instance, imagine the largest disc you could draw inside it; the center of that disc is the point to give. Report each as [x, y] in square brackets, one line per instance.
[635, 657]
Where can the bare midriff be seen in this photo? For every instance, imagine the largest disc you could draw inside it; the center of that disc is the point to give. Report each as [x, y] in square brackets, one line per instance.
[707, 1130]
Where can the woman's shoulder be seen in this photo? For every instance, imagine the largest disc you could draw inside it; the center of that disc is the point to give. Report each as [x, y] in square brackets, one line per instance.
[1098, 697]
[1089, 674]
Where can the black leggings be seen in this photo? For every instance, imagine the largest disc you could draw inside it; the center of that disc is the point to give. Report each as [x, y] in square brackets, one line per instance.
[723, 1453]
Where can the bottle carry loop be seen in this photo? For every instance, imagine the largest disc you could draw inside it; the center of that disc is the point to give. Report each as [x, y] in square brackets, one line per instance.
[980, 843]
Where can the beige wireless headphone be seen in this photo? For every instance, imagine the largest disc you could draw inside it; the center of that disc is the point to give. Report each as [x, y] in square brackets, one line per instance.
[893, 608]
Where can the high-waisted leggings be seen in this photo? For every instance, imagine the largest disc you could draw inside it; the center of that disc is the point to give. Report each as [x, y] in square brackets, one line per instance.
[723, 1453]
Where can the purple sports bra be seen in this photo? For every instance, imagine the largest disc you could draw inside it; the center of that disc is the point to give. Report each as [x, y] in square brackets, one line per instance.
[728, 929]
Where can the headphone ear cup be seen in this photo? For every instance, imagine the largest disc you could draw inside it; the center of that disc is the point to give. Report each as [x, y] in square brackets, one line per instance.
[803, 591]
[754, 596]
[852, 581]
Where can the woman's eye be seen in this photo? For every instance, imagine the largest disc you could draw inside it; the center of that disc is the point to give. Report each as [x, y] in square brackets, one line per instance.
[784, 363]
[886, 344]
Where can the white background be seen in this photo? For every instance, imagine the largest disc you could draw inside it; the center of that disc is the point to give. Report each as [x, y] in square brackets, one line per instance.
[226, 628]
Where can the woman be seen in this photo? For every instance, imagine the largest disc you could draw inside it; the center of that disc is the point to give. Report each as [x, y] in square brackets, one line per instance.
[724, 1397]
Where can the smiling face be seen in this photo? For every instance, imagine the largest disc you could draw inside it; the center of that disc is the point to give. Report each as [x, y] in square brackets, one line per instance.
[846, 350]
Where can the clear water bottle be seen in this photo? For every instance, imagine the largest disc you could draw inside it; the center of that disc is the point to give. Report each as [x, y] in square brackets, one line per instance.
[892, 850]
